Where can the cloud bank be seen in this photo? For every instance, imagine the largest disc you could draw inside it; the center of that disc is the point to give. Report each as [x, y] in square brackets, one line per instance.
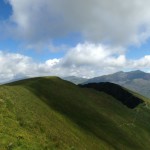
[117, 22]
[85, 60]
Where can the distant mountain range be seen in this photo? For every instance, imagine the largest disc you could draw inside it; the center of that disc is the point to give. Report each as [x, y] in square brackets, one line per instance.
[137, 81]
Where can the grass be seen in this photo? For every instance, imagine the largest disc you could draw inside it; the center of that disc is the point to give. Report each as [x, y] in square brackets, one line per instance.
[49, 114]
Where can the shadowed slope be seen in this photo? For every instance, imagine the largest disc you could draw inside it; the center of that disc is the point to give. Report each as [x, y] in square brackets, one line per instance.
[117, 92]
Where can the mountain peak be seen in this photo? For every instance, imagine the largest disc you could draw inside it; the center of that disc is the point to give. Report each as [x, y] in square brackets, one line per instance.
[119, 72]
[137, 71]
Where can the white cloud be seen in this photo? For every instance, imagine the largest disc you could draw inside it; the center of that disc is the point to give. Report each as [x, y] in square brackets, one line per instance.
[85, 60]
[52, 62]
[94, 55]
[12, 64]
[143, 62]
[119, 22]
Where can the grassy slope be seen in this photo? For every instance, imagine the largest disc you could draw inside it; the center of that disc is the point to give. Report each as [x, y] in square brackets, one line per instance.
[49, 113]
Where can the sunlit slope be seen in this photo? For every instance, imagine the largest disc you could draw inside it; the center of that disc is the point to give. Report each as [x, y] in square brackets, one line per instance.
[49, 113]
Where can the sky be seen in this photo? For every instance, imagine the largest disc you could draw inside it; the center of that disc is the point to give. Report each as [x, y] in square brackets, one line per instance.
[84, 38]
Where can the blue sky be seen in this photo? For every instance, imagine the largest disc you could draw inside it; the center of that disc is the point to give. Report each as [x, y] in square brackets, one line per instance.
[74, 37]
[5, 10]
[14, 45]
[136, 52]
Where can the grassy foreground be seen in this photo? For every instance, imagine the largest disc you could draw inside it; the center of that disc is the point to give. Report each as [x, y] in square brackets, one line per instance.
[49, 114]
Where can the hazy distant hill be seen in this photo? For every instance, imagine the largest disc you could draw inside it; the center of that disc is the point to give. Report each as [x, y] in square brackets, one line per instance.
[75, 80]
[138, 81]
[49, 113]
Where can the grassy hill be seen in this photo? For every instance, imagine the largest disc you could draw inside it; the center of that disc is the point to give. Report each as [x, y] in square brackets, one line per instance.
[49, 114]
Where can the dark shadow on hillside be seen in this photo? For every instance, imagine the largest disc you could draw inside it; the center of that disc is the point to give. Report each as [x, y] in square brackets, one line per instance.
[117, 92]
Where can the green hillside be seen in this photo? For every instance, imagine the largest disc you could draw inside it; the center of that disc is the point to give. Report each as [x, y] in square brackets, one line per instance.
[49, 114]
